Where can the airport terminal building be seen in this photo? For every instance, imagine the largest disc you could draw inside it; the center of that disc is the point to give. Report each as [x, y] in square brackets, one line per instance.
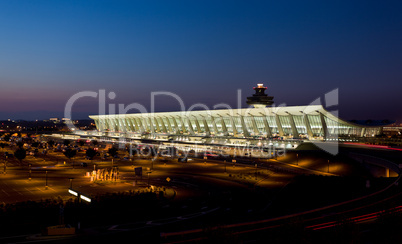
[234, 126]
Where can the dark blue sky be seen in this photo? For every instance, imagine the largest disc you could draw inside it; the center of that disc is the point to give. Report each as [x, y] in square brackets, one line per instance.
[201, 50]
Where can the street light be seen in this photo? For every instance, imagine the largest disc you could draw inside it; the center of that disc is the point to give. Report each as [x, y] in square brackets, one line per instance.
[30, 172]
[297, 162]
[256, 166]
[328, 165]
[71, 182]
[5, 165]
[46, 179]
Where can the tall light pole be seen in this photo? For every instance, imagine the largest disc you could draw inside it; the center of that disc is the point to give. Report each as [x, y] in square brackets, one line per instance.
[256, 166]
[5, 165]
[297, 161]
[46, 179]
[328, 165]
[30, 172]
[71, 182]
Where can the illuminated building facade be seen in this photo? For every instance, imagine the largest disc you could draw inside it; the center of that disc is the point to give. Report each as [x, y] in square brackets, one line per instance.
[234, 126]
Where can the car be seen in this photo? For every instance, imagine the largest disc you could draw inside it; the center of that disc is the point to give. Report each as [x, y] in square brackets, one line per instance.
[182, 159]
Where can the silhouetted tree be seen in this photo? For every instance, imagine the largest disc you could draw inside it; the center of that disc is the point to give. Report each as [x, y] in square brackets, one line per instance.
[70, 153]
[81, 142]
[20, 154]
[66, 142]
[112, 152]
[51, 143]
[91, 153]
[7, 137]
[20, 144]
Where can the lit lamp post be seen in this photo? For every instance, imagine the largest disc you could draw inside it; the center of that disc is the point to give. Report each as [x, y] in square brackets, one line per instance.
[297, 161]
[148, 177]
[205, 160]
[5, 165]
[46, 179]
[328, 165]
[30, 172]
[71, 182]
[234, 162]
[256, 166]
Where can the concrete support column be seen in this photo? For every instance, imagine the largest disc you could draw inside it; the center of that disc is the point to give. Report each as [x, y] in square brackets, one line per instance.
[163, 125]
[156, 124]
[129, 125]
[308, 126]
[363, 132]
[144, 124]
[244, 127]
[324, 126]
[137, 127]
[279, 124]
[141, 123]
[197, 124]
[214, 125]
[169, 125]
[206, 128]
[266, 125]
[224, 128]
[96, 124]
[149, 124]
[183, 126]
[176, 126]
[293, 126]
[255, 127]
[234, 129]
[190, 126]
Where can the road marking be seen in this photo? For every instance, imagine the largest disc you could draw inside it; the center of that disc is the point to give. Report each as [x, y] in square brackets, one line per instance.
[112, 227]
[28, 190]
[52, 189]
[5, 192]
[18, 192]
[39, 189]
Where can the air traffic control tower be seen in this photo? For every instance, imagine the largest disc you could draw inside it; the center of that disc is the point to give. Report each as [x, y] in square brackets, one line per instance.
[260, 99]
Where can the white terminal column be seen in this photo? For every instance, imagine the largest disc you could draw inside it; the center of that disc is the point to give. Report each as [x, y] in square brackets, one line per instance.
[307, 124]
[234, 129]
[214, 125]
[324, 125]
[255, 128]
[197, 124]
[169, 125]
[190, 126]
[224, 128]
[279, 124]
[176, 126]
[163, 125]
[293, 126]
[266, 124]
[244, 127]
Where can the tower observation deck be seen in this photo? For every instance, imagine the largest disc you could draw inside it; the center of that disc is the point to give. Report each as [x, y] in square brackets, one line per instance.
[260, 99]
